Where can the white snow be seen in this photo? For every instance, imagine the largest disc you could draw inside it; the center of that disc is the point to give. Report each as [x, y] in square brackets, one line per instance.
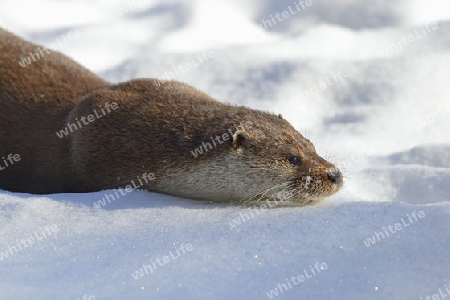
[385, 125]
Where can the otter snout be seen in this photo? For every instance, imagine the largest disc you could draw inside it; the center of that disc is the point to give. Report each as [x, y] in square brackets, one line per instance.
[334, 176]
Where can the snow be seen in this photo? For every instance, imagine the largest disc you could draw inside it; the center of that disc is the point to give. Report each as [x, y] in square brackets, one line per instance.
[385, 125]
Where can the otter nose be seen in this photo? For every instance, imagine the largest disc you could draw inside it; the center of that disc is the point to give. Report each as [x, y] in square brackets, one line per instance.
[334, 176]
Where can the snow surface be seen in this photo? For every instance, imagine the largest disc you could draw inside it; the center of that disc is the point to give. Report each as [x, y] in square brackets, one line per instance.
[384, 121]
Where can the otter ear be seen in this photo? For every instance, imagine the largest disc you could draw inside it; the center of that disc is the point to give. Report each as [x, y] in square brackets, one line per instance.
[240, 139]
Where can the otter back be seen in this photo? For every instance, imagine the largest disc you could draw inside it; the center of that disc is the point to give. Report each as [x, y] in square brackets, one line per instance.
[34, 102]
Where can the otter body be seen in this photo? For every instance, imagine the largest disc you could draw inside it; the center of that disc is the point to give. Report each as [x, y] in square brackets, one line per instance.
[75, 132]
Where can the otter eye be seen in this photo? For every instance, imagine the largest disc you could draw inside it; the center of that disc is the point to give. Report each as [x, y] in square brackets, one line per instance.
[295, 161]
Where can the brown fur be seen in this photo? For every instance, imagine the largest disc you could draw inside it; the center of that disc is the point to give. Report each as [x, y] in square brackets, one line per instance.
[155, 128]
[34, 103]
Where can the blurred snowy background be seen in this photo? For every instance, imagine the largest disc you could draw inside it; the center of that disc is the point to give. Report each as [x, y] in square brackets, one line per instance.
[366, 81]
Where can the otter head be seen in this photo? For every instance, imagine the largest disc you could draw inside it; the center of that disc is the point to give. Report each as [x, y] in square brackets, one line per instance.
[278, 164]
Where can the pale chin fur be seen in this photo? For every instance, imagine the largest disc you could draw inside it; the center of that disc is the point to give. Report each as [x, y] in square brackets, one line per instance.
[224, 179]
[228, 179]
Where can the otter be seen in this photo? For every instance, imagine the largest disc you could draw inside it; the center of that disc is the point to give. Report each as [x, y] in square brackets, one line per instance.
[74, 132]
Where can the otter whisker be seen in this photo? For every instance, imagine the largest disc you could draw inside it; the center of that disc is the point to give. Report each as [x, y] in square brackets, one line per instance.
[245, 201]
[263, 193]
